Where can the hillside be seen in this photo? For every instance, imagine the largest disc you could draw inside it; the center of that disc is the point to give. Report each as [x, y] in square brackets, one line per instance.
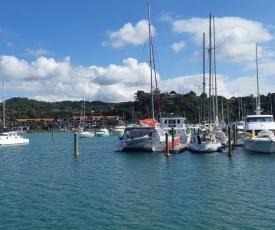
[188, 105]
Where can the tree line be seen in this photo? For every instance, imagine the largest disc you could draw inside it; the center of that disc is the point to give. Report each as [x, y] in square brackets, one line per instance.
[188, 105]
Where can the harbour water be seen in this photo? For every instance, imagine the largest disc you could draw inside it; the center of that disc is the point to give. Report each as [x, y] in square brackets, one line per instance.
[44, 186]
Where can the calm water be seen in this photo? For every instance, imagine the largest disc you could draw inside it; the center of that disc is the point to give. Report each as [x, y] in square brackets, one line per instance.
[44, 186]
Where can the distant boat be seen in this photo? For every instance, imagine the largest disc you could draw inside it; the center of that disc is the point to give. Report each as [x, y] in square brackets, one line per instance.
[82, 133]
[85, 134]
[118, 130]
[103, 132]
[12, 138]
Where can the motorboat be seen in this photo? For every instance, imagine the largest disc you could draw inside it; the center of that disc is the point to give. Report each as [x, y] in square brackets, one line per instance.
[82, 133]
[259, 128]
[12, 138]
[178, 125]
[118, 130]
[240, 125]
[148, 136]
[259, 133]
[103, 132]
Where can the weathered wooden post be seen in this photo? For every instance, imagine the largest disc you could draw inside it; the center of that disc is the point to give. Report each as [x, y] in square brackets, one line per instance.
[167, 145]
[234, 127]
[76, 144]
[52, 135]
[229, 142]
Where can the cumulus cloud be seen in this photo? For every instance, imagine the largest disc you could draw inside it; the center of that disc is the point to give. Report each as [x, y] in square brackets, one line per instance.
[235, 37]
[130, 35]
[48, 80]
[177, 46]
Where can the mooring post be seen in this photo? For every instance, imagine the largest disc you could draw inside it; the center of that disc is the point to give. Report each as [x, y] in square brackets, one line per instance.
[75, 144]
[234, 127]
[229, 142]
[167, 145]
[173, 139]
[52, 135]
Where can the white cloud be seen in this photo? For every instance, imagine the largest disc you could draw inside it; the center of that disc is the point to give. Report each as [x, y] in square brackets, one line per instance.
[129, 34]
[177, 46]
[48, 80]
[235, 37]
[36, 53]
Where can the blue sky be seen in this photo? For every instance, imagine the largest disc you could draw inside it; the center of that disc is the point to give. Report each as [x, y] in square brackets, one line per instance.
[98, 50]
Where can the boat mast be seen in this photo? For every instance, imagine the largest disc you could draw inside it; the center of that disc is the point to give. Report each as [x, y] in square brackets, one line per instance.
[216, 87]
[203, 83]
[151, 69]
[258, 103]
[84, 123]
[210, 55]
[4, 114]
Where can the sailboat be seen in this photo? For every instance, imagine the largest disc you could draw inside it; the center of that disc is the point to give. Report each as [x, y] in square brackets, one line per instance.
[148, 136]
[10, 137]
[259, 129]
[82, 133]
[206, 139]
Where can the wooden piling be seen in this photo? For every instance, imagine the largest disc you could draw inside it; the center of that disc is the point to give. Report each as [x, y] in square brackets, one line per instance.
[52, 135]
[167, 145]
[229, 142]
[234, 127]
[76, 144]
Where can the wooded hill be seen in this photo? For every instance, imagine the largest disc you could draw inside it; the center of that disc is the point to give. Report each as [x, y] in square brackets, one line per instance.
[188, 105]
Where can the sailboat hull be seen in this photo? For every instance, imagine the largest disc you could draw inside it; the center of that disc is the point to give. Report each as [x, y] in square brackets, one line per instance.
[205, 147]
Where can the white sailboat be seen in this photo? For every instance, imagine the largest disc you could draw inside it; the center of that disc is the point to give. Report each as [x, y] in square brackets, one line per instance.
[10, 137]
[206, 140]
[259, 129]
[82, 133]
[148, 136]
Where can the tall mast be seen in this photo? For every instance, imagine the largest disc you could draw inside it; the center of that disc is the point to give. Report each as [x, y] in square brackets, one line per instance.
[203, 78]
[151, 69]
[216, 87]
[258, 103]
[4, 114]
[210, 74]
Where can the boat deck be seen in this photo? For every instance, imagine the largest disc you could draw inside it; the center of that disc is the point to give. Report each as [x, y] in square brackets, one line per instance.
[179, 148]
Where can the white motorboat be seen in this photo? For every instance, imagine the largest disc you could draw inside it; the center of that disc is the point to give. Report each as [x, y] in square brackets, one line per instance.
[240, 128]
[85, 134]
[259, 129]
[259, 135]
[144, 138]
[118, 130]
[103, 132]
[12, 138]
[178, 125]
